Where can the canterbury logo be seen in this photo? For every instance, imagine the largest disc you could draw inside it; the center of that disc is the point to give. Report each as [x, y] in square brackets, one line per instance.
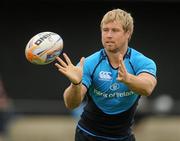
[104, 75]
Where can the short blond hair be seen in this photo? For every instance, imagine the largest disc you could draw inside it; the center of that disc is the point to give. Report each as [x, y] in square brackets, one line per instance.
[119, 15]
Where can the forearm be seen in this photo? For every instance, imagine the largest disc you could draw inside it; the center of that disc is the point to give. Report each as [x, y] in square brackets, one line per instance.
[72, 96]
[141, 85]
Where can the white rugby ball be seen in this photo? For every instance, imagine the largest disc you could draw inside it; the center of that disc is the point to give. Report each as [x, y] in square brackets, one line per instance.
[43, 48]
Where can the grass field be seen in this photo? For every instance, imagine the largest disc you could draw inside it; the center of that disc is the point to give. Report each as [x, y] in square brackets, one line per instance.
[61, 128]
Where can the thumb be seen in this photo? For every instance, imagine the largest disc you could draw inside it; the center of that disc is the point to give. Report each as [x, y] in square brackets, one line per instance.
[81, 63]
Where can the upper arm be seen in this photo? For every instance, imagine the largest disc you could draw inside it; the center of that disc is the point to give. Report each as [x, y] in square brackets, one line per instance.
[149, 78]
[145, 69]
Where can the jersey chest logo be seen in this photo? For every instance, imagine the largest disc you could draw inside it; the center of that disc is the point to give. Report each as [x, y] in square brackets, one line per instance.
[114, 87]
[105, 75]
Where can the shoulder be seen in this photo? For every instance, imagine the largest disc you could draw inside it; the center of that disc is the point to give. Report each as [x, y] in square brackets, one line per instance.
[95, 57]
[137, 57]
[140, 62]
[92, 61]
[90, 64]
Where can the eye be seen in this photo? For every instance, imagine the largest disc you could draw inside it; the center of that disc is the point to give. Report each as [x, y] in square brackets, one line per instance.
[115, 30]
[105, 29]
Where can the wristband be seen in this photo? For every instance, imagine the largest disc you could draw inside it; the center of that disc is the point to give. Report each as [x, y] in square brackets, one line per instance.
[77, 83]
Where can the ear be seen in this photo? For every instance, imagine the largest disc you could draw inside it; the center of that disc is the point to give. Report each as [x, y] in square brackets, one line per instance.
[128, 35]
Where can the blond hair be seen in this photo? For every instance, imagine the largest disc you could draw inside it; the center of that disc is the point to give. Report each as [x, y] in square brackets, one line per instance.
[122, 16]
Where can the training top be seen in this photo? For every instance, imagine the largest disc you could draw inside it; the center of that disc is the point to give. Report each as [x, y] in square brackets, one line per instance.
[111, 105]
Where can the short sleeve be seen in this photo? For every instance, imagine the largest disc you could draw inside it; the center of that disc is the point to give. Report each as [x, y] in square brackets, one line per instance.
[90, 64]
[147, 66]
[142, 64]
[86, 79]
[87, 71]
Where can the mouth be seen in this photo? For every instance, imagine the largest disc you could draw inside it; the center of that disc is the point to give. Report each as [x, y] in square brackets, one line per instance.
[109, 42]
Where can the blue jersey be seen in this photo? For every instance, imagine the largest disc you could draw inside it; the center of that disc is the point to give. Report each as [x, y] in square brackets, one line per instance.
[111, 104]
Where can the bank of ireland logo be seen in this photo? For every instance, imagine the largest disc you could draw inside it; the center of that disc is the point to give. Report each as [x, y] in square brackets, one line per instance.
[105, 75]
[114, 87]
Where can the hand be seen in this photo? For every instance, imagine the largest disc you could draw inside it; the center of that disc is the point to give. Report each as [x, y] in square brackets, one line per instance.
[73, 73]
[123, 75]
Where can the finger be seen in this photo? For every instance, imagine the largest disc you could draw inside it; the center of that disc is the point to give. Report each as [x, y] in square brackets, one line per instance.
[120, 69]
[62, 71]
[61, 62]
[120, 57]
[67, 58]
[60, 67]
[120, 73]
[120, 60]
[119, 77]
[121, 64]
[81, 62]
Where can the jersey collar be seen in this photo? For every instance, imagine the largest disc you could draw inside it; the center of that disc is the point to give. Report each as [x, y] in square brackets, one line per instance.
[127, 55]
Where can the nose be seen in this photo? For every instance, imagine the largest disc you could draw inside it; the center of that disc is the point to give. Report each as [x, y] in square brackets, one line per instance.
[109, 33]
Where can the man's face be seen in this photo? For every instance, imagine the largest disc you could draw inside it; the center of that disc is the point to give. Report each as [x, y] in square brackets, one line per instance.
[114, 38]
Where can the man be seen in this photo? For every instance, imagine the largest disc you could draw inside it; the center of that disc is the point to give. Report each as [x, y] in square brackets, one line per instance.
[113, 79]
